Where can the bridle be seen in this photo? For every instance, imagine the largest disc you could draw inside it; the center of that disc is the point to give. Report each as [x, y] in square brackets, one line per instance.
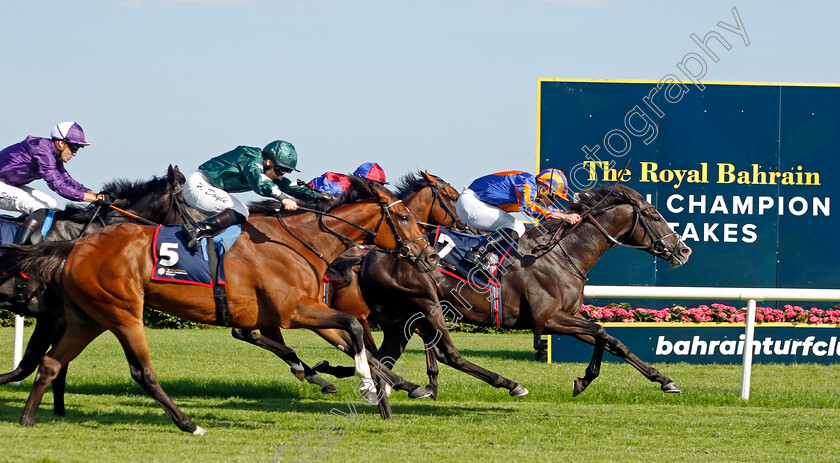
[437, 198]
[402, 249]
[657, 246]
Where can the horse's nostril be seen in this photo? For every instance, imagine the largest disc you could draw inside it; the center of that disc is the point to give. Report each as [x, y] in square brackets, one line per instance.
[433, 257]
[686, 250]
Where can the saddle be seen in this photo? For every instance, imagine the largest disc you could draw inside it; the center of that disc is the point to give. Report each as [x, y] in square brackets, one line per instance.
[451, 246]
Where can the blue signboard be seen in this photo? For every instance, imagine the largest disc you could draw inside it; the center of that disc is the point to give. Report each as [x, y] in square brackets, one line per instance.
[744, 172]
[705, 343]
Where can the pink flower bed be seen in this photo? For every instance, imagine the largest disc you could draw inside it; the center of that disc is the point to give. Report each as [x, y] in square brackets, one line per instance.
[716, 313]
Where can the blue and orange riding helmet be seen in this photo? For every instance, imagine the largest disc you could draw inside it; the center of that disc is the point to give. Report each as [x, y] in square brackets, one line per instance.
[553, 181]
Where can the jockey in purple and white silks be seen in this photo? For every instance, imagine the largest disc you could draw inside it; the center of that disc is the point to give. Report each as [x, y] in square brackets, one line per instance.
[41, 158]
[486, 205]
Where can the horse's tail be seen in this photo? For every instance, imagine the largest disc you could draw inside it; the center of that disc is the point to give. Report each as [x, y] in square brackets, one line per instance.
[43, 261]
[340, 271]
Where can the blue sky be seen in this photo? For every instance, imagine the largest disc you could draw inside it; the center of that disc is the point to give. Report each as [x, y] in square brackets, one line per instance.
[446, 86]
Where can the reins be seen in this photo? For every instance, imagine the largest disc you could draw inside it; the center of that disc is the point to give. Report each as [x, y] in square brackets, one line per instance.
[173, 203]
[401, 250]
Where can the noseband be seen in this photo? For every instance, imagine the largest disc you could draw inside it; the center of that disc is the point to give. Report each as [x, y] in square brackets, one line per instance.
[402, 249]
[657, 246]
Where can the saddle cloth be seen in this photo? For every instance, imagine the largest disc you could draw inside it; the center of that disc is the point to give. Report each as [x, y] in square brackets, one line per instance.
[451, 247]
[176, 262]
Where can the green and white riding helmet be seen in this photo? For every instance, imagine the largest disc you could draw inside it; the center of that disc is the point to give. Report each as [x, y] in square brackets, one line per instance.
[282, 153]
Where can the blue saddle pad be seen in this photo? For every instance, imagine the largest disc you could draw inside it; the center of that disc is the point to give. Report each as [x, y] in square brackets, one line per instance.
[176, 262]
[451, 246]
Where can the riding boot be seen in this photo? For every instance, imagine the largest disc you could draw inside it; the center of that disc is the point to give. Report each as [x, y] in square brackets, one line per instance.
[30, 225]
[495, 241]
[211, 225]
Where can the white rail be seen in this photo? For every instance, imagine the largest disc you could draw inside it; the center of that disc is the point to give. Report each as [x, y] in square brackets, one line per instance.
[742, 294]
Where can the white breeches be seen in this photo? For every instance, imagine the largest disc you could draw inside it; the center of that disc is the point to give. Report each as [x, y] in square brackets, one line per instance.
[482, 216]
[24, 199]
[202, 195]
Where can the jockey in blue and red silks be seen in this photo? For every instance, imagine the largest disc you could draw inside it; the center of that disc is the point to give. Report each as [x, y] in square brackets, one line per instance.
[486, 205]
[335, 184]
[41, 158]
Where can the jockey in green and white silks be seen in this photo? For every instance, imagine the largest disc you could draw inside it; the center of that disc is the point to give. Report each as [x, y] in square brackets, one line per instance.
[244, 168]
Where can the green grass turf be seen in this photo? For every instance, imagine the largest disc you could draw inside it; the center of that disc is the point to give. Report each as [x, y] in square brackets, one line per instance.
[252, 407]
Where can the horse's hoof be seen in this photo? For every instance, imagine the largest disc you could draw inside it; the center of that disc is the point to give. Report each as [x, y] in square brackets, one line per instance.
[518, 391]
[419, 393]
[369, 392]
[329, 389]
[299, 374]
[671, 388]
[199, 431]
[432, 390]
[578, 387]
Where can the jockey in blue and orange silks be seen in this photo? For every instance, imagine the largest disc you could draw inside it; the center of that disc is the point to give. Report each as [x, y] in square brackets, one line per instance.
[486, 205]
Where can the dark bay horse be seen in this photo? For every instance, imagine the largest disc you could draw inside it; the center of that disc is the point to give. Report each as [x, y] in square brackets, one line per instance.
[431, 201]
[158, 200]
[273, 279]
[542, 290]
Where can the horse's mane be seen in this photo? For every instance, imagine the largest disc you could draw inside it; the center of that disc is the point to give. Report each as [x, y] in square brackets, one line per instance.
[585, 201]
[359, 189]
[590, 198]
[122, 191]
[409, 184]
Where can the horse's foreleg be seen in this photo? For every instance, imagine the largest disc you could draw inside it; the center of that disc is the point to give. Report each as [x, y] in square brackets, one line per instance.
[272, 341]
[69, 347]
[617, 348]
[562, 323]
[432, 370]
[36, 347]
[436, 334]
[345, 372]
[133, 340]
[393, 345]
[316, 316]
[59, 386]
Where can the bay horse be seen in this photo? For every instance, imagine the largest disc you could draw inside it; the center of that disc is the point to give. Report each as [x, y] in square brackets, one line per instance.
[542, 289]
[432, 202]
[157, 200]
[273, 279]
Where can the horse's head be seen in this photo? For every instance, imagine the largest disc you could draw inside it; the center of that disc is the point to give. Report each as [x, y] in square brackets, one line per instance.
[402, 232]
[638, 222]
[444, 198]
[158, 200]
[429, 198]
